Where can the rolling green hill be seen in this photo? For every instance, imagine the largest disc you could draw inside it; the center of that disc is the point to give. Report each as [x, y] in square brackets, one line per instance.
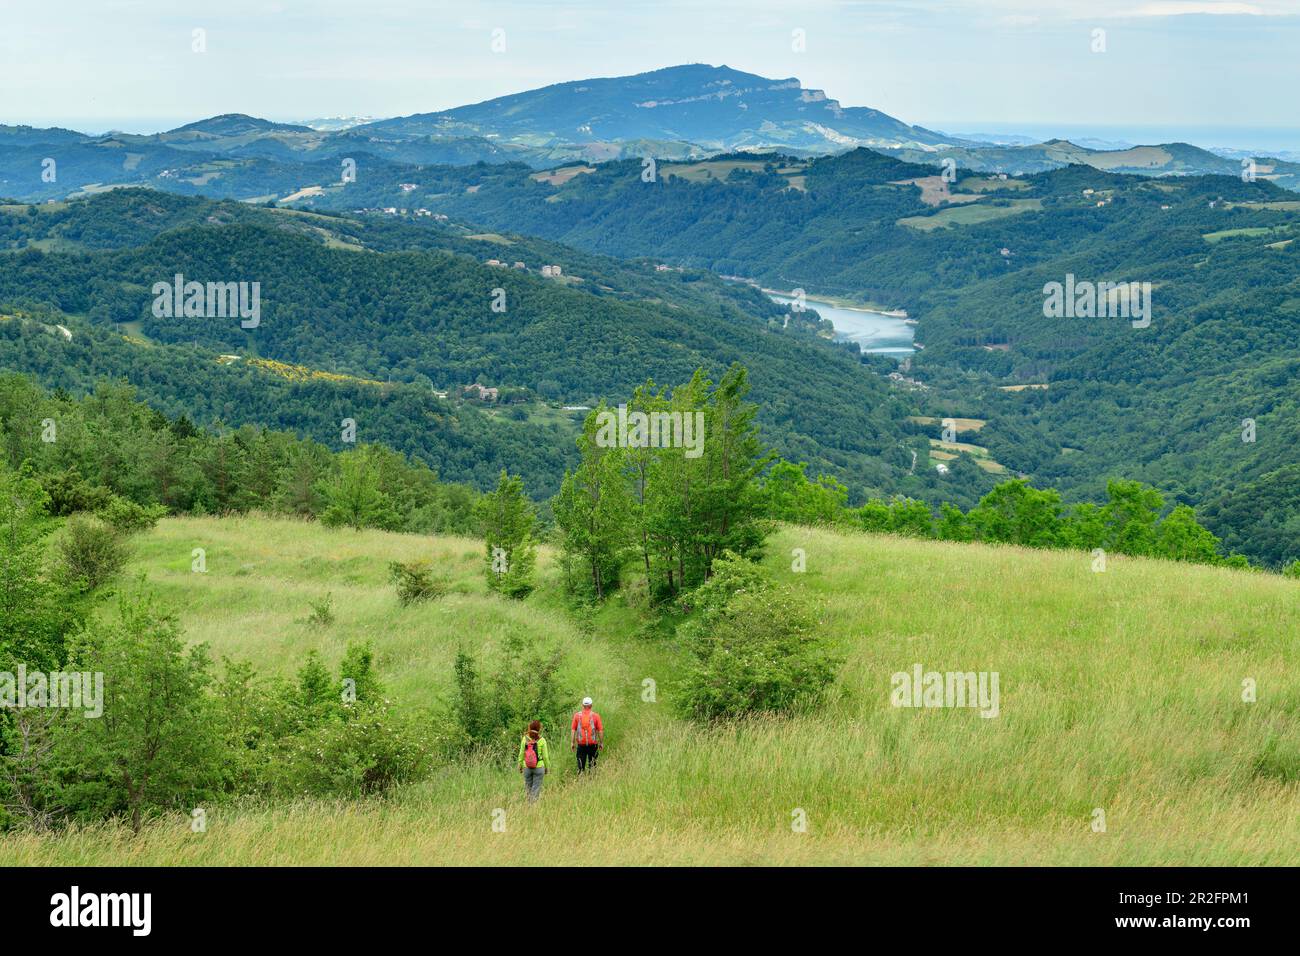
[411, 306]
[970, 261]
[1119, 692]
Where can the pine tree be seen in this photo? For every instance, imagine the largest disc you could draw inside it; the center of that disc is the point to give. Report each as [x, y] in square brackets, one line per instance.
[594, 509]
[645, 475]
[354, 498]
[731, 502]
[507, 518]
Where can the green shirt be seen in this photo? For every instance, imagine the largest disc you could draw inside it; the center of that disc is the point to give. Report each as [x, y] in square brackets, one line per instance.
[543, 758]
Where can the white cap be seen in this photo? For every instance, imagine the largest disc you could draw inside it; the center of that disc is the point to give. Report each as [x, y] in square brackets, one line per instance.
[586, 702]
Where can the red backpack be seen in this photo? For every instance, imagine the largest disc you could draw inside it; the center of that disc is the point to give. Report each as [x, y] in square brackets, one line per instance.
[530, 753]
[587, 728]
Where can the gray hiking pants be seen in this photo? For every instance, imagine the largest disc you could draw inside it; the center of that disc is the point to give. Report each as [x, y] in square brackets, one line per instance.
[533, 781]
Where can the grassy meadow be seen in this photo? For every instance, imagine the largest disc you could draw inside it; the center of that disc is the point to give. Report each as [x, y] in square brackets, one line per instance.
[1119, 691]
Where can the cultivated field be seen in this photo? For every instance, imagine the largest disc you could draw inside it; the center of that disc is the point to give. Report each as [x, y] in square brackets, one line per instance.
[970, 215]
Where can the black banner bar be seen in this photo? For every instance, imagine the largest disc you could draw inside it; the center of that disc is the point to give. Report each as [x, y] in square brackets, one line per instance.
[219, 905]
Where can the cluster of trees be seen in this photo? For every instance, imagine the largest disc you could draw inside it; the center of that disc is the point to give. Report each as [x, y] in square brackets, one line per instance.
[108, 446]
[417, 316]
[111, 455]
[463, 441]
[1133, 520]
[672, 508]
[1123, 402]
[681, 504]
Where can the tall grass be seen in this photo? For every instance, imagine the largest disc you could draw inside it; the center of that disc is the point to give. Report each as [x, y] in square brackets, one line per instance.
[1120, 692]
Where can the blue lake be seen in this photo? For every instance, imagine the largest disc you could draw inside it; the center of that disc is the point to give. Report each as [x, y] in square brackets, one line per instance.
[873, 331]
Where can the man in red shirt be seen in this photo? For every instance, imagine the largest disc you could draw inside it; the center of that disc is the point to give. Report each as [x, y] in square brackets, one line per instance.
[586, 735]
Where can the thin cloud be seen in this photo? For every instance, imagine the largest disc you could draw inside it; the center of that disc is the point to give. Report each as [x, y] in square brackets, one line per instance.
[1019, 12]
[1184, 8]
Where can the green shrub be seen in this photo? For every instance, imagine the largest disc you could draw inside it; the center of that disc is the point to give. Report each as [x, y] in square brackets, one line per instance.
[874, 515]
[70, 493]
[127, 517]
[154, 749]
[322, 612]
[754, 648]
[357, 673]
[732, 576]
[90, 553]
[321, 735]
[362, 753]
[525, 686]
[415, 581]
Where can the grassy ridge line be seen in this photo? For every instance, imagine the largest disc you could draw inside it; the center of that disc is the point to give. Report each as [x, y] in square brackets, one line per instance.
[1118, 690]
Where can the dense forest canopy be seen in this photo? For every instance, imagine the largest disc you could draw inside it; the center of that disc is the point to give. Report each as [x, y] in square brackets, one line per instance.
[969, 260]
[355, 298]
[385, 312]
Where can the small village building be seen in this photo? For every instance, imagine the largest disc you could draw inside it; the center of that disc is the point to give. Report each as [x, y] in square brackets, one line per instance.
[481, 392]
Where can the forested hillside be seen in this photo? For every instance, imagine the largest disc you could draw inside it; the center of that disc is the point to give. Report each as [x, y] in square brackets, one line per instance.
[420, 311]
[1068, 401]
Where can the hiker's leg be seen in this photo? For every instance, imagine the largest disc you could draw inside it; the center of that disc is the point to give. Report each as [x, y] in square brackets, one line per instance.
[533, 782]
[595, 752]
[582, 757]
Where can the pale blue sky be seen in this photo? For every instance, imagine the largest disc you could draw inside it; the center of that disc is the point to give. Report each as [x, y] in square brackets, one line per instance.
[952, 64]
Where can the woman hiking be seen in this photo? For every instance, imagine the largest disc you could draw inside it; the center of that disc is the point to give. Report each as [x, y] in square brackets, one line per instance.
[534, 759]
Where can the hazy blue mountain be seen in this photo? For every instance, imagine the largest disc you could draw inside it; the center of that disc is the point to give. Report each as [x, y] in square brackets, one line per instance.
[231, 124]
[714, 107]
[681, 113]
[1161, 159]
[31, 135]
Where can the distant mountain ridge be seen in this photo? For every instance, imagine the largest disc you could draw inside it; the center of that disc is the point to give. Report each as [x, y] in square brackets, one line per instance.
[234, 124]
[717, 108]
[1160, 159]
[687, 112]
